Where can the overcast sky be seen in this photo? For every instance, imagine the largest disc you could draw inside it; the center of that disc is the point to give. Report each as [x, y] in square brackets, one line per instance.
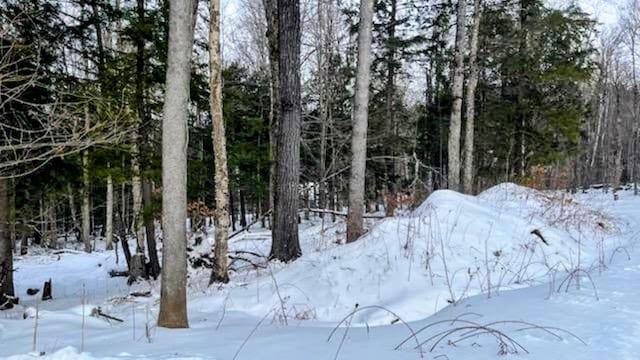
[605, 11]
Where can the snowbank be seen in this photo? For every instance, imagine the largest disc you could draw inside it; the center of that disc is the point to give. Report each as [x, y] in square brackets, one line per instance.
[452, 246]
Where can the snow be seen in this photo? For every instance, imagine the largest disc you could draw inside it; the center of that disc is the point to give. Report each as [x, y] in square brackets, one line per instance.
[454, 257]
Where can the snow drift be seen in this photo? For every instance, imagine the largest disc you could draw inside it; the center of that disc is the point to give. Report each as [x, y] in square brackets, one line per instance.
[450, 247]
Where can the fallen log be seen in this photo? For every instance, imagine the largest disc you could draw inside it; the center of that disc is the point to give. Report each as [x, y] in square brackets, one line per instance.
[141, 294]
[246, 228]
[338, 213]
[97, 312]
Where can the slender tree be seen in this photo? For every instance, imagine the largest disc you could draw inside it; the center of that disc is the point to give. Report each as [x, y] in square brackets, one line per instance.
[220, 273]
[271, 15]
[472, 84]
[285, 245]
[6, 249]
[86, 191]
[173, 299]
[456, 110]
[109, 214]
[355, 227]
[136, 169]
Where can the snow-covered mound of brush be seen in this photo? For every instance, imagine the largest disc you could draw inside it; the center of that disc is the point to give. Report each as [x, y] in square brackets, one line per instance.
[452, 246]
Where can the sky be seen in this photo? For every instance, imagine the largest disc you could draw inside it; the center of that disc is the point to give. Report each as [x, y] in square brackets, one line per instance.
[605, 11]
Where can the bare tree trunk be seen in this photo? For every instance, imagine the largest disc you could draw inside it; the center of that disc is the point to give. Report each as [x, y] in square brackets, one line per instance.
[173, 299]
[136, 191]
[271, 13]
[355, 226]
[220, 268]
[150, 229]
[617, 169]
[323, 54]
[109, 211]
[52, 237]
[390, 116]
[86, 191]
[72, 208]
[456, 111]
[285, 245]
[471, 99]
[6, 252]
[136, 180]
[12, 215]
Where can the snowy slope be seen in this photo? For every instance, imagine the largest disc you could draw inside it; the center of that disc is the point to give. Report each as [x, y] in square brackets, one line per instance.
[451, 247]
[400, 265]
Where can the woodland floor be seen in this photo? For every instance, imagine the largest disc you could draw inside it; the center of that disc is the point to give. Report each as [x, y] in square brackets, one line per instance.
[469, 260]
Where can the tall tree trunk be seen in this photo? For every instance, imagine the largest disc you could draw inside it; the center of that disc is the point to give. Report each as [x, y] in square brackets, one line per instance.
[271, 14]
[355, 226]
[86, 192]
[6, 251]
[173, 299]
[220, 271]
[619, 132]
[456, 110]
[109, 211]
[323, 53]
[285, 245]
[471, 99]
[391, 127]
[136, 180]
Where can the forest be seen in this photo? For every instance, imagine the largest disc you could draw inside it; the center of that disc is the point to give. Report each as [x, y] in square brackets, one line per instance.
[173, 152]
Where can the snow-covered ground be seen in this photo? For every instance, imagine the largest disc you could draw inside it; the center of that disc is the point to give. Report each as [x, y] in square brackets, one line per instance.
[549, 275]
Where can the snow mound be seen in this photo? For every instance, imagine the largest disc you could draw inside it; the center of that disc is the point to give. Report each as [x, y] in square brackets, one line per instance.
[555, 208]
[451, 247]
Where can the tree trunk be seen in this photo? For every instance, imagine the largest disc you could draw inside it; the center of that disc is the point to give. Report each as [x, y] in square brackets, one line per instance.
[271, 14]
[72, 209]
[109, 211]
[471, 99]
[220, 268]
[355, 226]
[456, 110]
[136, 192]
[150, 229]
[86, 189]
[173, 299]
[285, 245]
[136, 180]
[322, 103]
[6, 252]
[390, 118]
[232, 208]
[243, 209]
[52, 238]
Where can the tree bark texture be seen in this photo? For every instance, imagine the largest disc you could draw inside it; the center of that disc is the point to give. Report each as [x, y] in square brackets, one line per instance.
[472, 84]
[456, 111]
[173, 296]
[355, 226]
[221, 218]
[285, 245]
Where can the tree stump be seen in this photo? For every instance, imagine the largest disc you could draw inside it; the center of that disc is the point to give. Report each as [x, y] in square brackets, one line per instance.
[137, 268]
[47, 292]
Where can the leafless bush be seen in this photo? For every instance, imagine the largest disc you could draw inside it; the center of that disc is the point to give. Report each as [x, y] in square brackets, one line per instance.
[574, 275]
[347, 320]
[458, 330]
[618, 249]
